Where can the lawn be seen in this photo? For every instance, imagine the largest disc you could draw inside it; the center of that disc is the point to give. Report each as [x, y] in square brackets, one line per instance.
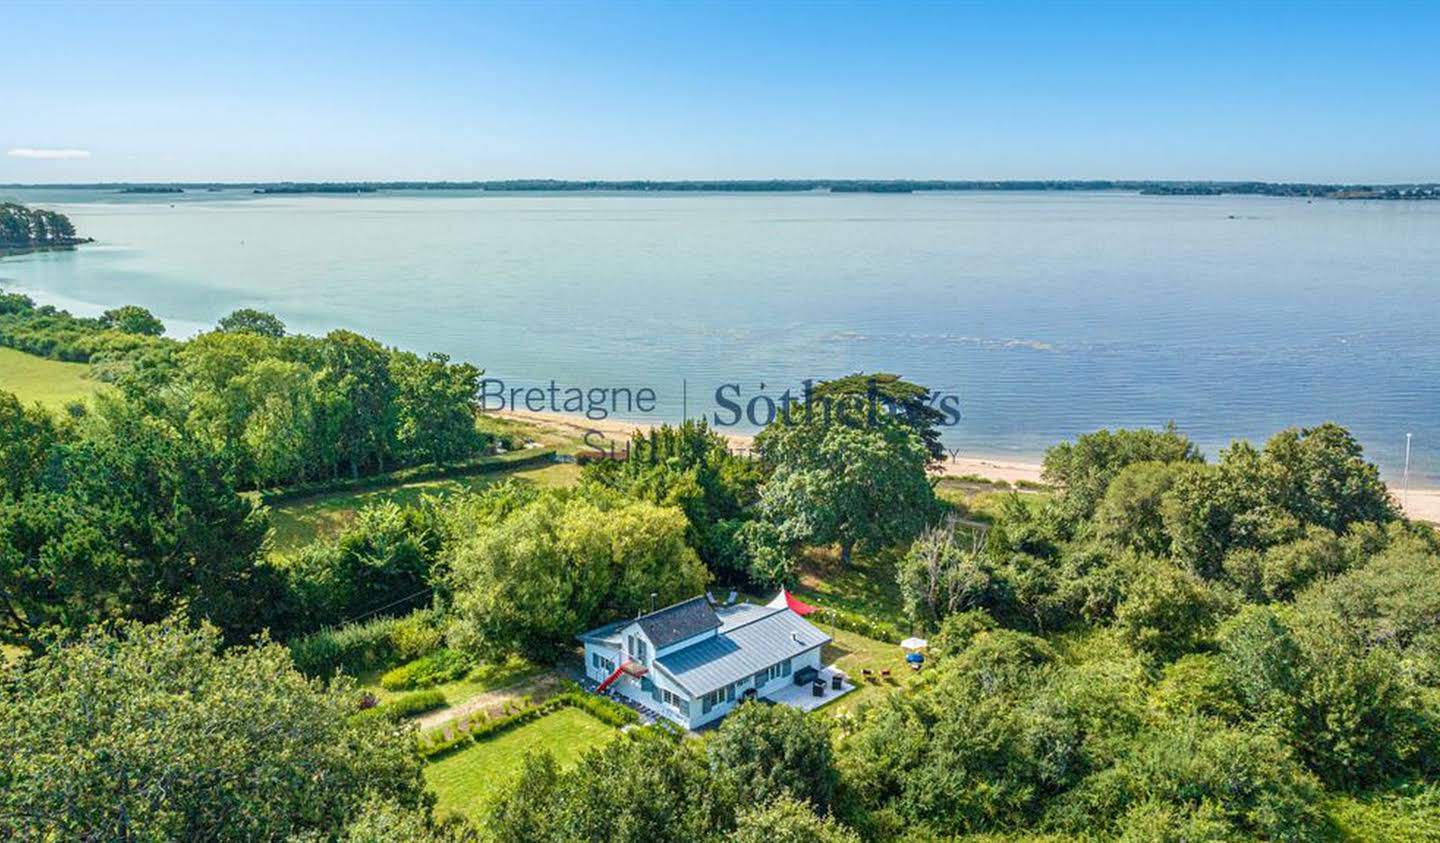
[299, 522]
[50, 382]
[853, 653]
[466, 781]
[867, 586]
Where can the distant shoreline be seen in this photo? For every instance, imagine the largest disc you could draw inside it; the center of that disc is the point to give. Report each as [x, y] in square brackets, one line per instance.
[1147, 187]
[1423, 504]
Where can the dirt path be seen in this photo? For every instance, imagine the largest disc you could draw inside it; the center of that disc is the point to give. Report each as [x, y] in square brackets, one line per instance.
[536, 687]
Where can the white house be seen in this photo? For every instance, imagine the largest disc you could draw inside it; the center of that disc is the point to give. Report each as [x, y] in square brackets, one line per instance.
[693, 662]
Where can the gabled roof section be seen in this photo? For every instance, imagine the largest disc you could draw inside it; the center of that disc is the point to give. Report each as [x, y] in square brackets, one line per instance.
[756, 642]
[678, 622]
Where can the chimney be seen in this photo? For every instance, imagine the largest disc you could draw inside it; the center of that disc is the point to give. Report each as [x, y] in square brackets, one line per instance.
[654, 598]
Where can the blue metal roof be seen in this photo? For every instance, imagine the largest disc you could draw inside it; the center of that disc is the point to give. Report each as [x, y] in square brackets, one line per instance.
[742, 649]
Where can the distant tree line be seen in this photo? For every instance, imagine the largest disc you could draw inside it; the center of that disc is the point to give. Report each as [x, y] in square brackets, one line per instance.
[1176, 188]
[29, 228]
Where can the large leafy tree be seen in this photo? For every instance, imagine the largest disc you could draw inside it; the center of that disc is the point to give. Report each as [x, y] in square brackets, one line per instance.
[867, 395]
[763, 752]
[691, 467]
[27, 435]
[861, 484]
[647, 786]
[250, 321]
[561, 563]
[435, 412]
[151, 733]
[357, 377]
[133, 520]
[1084, 468]
[133, 319]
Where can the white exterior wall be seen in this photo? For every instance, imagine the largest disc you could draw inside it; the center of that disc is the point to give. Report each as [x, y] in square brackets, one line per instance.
[596, 673]
[810, 658]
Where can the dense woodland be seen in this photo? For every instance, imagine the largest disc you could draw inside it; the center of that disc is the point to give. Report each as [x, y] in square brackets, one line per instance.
[1163, 648]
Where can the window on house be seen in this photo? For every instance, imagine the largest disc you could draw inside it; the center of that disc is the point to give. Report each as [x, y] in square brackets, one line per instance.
[672, 699]
[637, 648]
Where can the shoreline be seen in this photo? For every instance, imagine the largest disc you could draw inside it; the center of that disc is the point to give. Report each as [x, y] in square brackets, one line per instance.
[1422, 504]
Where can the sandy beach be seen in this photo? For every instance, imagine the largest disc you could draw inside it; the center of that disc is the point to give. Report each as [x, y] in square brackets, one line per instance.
[1421, 504]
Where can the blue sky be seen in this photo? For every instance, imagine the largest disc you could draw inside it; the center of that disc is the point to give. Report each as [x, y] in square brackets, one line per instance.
[1316, 92]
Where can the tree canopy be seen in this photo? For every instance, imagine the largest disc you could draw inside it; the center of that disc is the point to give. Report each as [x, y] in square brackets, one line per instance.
[152, 733]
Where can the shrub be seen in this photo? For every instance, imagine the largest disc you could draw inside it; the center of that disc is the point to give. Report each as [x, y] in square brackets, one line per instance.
[419, 702]
[1167, 612]
[357, 648]
[436, 668]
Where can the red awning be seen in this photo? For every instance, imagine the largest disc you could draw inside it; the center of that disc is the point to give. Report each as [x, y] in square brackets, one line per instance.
[799, 608]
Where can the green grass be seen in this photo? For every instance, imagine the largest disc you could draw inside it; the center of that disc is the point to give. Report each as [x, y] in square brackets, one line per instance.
[297, 523]
[466, 781]
[50, 382]
[867, 586]
[486, 677]
[853, 653]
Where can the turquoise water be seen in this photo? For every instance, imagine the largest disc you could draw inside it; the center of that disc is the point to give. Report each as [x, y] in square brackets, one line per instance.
[1048, 314]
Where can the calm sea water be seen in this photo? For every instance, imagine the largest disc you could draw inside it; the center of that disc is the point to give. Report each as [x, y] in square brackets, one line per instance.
[1048, 314]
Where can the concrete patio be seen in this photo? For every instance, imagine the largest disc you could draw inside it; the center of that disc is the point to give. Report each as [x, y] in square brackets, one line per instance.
[801, 697]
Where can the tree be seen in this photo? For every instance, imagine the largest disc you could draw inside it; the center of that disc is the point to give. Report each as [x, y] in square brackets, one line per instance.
[249, 321]
[690, 466]
[1320, 476]
[278, 432]
[150, 733]
[787, 820]
[381, 563]
[133, 319]
[535, 578]
[939, 577]
[766, 752]
[646, 785]
[865, 395]
[27, 437]
[833, 483]
[1083, 469]
[1167, 612]
[435, 408]
[1131, 514]
[133, 521]
[356, 376]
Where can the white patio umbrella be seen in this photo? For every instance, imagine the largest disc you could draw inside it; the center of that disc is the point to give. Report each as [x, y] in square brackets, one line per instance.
[914, 644]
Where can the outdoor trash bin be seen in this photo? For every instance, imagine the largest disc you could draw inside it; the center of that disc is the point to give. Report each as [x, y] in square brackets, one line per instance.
[818, 687]
[835, 681]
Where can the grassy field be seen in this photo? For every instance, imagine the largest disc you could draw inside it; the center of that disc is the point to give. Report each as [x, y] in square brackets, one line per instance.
[50, 382]
[466, 781]
[297, 523]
